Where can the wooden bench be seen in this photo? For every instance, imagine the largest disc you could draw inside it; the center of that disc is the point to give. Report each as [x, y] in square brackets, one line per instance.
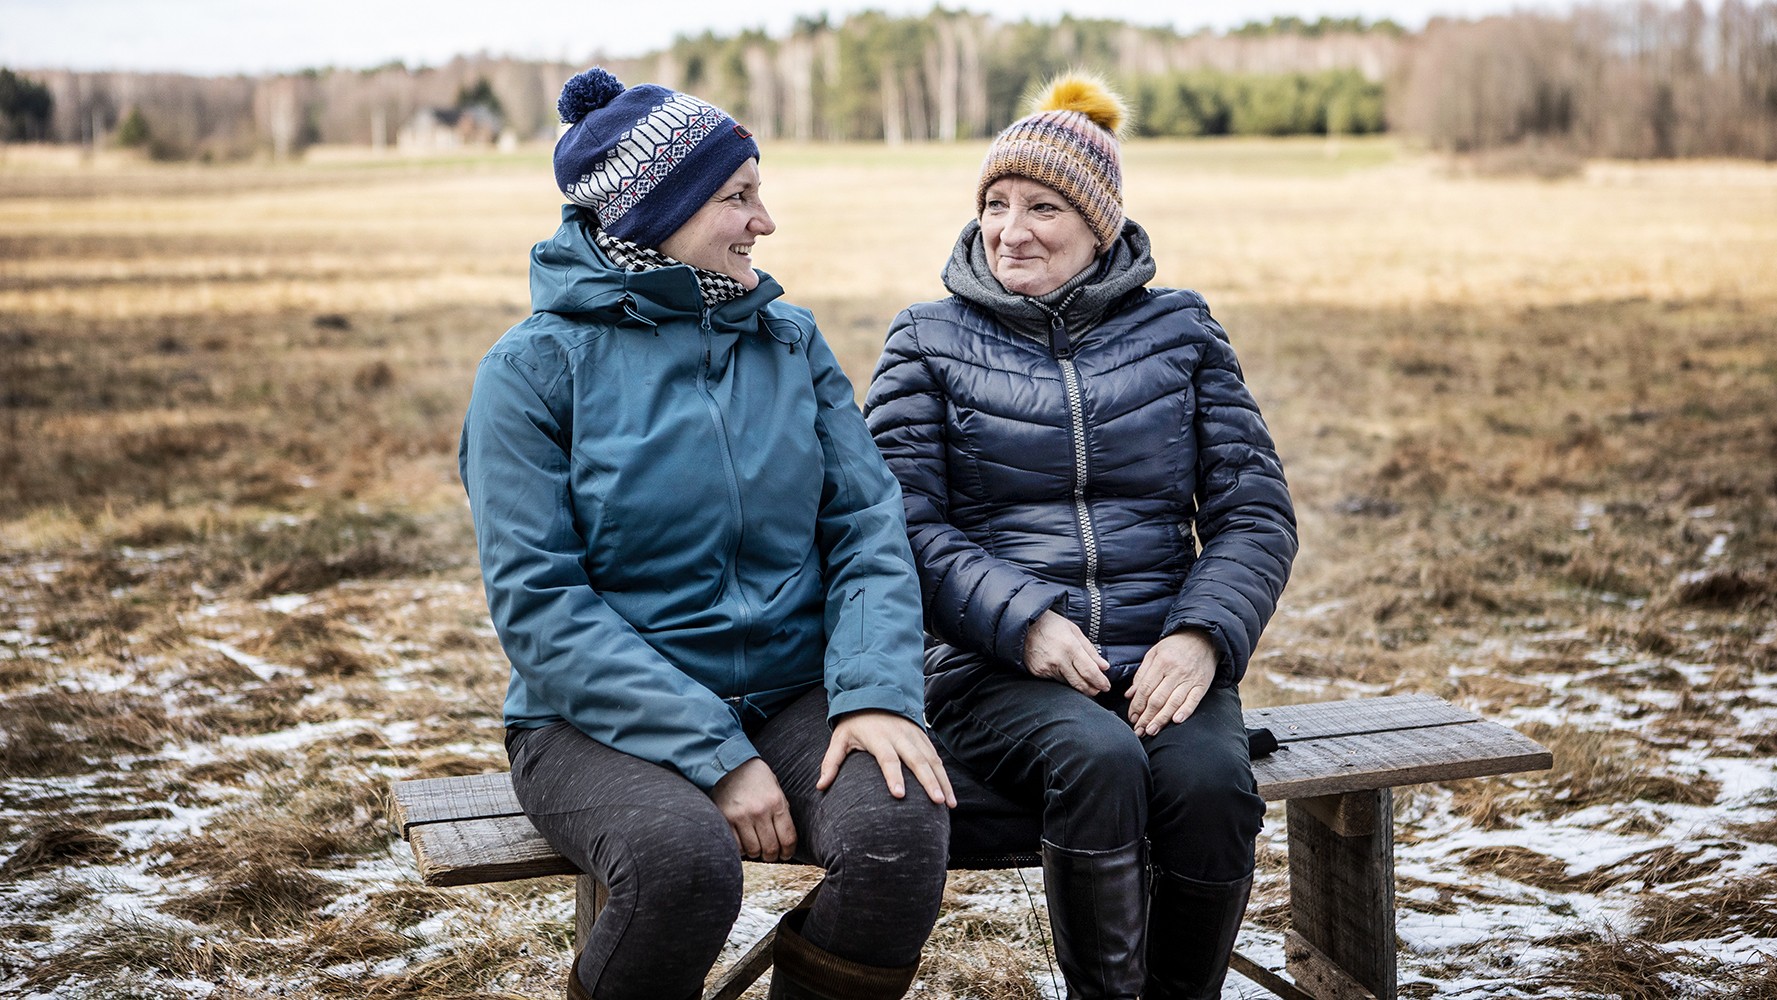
[1336, 767]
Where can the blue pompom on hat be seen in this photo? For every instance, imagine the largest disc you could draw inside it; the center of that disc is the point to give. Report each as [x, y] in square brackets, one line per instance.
[645, 158]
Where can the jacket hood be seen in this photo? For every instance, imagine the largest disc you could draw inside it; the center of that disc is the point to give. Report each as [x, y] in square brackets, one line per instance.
[570, 274]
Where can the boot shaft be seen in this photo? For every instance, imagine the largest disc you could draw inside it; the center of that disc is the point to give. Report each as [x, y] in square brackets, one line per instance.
[1192, 926]
[1098, 903]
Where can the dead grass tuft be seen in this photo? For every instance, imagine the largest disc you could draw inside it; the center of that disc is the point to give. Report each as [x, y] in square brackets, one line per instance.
[481, 957]
[256, 895]
[982, 969]
[1659, 866]
[57, 846]
[358, 937]
[295, 633]
[1521, 864]
[1728, 589]
[1757, 981]
[1745, 905]
[122, 951]
[1762, 831]
[1496, 803]
[452, 765]
[267, 707]
[1624, 967]
[1593, 768]
[56, 731]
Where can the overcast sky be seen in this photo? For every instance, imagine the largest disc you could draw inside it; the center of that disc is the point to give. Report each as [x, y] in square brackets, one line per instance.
[257, 36]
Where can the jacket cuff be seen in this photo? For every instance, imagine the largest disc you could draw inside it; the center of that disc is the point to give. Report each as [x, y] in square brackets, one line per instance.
[734, 752]
[1025, 607]
[878, 697]
[1227, 669]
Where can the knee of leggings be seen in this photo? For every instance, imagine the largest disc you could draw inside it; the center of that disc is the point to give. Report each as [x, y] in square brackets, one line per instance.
[911, 833]
[690, 868]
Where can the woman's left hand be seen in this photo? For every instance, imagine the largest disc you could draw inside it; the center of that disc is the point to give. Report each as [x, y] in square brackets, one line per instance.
[895, 742]
[1172, 679]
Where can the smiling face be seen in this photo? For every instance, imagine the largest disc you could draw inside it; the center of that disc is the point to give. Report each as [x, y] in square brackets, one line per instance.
[719, 236]
[1035, 240]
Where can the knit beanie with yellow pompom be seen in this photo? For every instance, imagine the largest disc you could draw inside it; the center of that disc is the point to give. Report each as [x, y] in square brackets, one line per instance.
[1069, 142]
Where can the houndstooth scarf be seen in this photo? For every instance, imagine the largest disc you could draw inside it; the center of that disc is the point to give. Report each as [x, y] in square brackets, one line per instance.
[716, 288]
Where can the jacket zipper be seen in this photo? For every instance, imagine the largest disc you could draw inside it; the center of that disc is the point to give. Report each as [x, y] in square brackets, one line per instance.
[1076, 408]
[729, 577]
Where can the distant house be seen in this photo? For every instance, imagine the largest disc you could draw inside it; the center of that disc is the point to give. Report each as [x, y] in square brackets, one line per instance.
[450, 128]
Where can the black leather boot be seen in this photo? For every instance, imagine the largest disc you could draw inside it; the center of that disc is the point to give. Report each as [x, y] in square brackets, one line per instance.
[1098, 912]
[801, 971]
[1191, 930]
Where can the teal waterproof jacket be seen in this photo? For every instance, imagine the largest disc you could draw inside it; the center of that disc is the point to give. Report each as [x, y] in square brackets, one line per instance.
[682, 520]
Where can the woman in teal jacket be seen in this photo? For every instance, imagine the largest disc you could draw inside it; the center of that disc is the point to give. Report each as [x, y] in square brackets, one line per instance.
[698, 567]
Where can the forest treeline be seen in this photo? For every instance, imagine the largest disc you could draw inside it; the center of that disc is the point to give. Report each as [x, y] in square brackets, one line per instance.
[1633, 79]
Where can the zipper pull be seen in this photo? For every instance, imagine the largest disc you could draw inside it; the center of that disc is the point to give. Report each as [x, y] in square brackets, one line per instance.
[1058, 341]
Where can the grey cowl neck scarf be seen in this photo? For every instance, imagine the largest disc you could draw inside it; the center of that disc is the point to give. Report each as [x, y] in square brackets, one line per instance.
[1081, 302]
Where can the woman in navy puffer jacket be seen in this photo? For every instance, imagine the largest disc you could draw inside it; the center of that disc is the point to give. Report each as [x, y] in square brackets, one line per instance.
[1102, 530]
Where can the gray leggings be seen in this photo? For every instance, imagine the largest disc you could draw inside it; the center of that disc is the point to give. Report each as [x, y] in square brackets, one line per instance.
[666, 854]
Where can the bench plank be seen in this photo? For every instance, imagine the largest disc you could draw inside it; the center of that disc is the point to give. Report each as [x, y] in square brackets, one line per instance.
[1387, 759]
[451, 800]
[1323, 719]
[471, 852]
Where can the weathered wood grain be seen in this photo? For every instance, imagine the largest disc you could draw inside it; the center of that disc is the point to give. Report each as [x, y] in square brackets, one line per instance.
[447, 800]
[1283, 988]
[1322, 719]
[1364, 761]
[1322, 979]
[1342, 896]
[484, 850]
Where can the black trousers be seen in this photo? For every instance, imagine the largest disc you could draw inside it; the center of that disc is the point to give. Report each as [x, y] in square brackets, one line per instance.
[1076, 759]
[673, 869]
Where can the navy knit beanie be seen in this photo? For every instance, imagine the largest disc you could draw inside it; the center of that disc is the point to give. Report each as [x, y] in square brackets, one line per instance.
[643, 159]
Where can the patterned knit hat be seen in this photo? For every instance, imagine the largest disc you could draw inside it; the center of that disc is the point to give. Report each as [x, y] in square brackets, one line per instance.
[643, 159]
[1069, 142]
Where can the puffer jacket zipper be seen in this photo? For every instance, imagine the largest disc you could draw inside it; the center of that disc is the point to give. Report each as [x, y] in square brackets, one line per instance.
[731, 580]
[1076, 408]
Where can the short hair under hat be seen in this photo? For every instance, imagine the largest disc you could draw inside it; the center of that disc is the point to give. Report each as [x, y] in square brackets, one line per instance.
[1069, 142]
[645, 158]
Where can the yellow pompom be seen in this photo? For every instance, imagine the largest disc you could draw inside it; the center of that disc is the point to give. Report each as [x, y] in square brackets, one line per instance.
[1087, 94]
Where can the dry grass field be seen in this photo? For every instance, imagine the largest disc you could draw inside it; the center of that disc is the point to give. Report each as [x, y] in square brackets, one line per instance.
[1531, 428]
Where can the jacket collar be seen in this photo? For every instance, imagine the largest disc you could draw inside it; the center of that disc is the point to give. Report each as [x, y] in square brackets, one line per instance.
[570, 274]
[1082, 302]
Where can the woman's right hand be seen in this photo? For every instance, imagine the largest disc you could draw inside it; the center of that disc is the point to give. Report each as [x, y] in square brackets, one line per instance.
[757, 812]
[1056, 649]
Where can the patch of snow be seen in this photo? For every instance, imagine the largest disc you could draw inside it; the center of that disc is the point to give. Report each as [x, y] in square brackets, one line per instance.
[285, 603]
[262, 669]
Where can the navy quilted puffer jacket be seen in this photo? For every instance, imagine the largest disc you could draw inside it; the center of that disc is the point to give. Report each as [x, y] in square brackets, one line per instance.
[1122, 477]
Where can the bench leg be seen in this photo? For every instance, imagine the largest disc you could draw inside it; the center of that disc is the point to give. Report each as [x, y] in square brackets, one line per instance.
[589, 899]
[1342, 939]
